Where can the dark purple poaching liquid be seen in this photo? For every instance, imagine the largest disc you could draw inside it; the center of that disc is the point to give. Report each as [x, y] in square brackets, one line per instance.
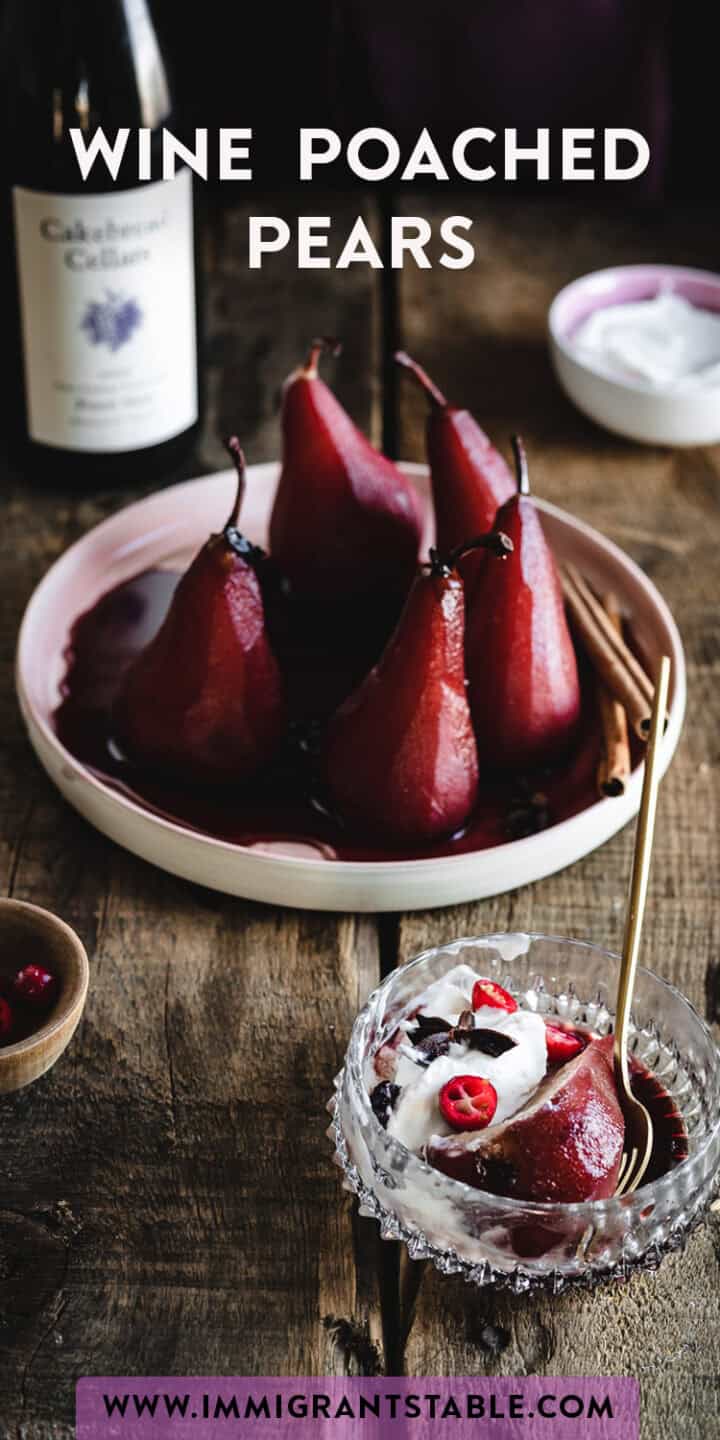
[323, 658]
[670, 1139]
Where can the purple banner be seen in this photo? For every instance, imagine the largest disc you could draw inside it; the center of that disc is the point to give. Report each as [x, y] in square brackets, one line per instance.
[267, 1408]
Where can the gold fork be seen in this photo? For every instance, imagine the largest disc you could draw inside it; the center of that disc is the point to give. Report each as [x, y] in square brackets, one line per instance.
[638, 1142]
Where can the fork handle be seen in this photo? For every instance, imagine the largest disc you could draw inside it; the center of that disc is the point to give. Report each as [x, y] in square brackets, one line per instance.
[640, 870]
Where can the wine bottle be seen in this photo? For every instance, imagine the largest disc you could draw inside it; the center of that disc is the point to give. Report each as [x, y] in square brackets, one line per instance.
[100, 275]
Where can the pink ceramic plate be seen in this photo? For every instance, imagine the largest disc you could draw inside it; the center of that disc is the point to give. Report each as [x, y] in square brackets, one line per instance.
[167, 529]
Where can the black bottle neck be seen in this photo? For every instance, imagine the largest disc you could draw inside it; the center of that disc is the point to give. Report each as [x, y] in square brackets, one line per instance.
[80, 65]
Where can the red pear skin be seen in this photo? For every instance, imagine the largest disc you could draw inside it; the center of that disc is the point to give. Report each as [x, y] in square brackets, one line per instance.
[205, 698]
[565, 1145]
[400, 756]
[346, 522]
[523, 677]
[470, 478]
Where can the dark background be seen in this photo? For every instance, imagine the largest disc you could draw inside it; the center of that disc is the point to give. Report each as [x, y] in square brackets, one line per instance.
[449, 64]
[404, 64]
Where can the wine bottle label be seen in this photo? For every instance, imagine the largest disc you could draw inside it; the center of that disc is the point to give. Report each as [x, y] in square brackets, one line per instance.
[107, 299]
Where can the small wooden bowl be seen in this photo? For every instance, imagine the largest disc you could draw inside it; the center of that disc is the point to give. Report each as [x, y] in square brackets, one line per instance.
[31, 936]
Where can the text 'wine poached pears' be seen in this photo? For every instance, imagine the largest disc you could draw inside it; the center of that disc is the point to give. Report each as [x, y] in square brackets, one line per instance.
[400, 754]
[524, 687]
[205, 698]
[470, 478]
[346, 522]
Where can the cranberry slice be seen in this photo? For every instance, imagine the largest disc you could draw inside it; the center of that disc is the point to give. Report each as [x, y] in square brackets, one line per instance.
[468, 1102]
[488, 992]
[562, 1044]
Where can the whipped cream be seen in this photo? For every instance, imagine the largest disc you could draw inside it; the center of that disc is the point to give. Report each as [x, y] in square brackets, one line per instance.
[515, 1074]
[665, 342]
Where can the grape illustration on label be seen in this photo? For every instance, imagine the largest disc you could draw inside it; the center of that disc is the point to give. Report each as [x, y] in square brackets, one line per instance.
[112, 321]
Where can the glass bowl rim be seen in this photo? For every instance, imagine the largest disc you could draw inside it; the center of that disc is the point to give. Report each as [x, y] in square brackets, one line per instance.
[591, 1210]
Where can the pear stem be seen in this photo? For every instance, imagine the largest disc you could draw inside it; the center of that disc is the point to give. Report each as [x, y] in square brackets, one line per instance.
[496, 541]
[230, 538]
[317, 348]
[235, 451]
[435, 396]
[521, 465]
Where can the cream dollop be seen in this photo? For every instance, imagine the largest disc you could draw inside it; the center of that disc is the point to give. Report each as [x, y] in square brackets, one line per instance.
[514, 1074]
[665, 342]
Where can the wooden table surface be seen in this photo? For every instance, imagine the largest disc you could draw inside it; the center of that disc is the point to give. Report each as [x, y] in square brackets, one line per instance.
[167, 1201]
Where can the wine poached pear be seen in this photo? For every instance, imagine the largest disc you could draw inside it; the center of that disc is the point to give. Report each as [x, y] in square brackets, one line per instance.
[470, 478]
[400, 754]
[346, 523]
[523, 678]
[205, 700]
[564, 1145]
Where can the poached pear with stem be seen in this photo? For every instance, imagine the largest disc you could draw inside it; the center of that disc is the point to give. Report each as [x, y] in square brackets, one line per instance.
[400, 758]
[204, 700]
[346, 522]
[470, 478]
[524, 687]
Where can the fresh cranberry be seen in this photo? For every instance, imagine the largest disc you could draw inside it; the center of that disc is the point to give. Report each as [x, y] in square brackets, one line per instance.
[35, 986]
[488, 992]
[562, 1044]
[468, 1102]
[6, 1020]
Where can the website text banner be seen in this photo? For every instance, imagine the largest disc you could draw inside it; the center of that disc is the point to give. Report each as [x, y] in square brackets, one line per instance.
[267, 1408]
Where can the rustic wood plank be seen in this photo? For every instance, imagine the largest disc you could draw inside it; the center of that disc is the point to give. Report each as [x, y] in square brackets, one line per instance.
[481, 332]
[167, 1201]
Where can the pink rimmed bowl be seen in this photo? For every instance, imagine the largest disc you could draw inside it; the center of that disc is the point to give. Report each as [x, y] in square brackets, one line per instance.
[632, 408]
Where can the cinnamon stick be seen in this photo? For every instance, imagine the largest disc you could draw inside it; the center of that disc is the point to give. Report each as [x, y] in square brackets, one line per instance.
[643, 680]
[618, 668]
[614, 767]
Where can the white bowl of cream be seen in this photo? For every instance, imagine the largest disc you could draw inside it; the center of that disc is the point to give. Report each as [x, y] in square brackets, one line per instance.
[637, 348]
